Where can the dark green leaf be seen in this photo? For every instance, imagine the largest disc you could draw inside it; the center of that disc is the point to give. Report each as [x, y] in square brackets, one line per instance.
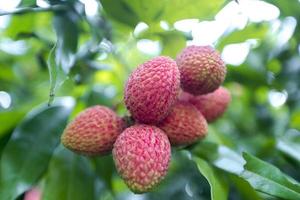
[244, 188]
[262, 176]
[218, 187]
[62, 57]
[26, 155]
[221, 156]
[67, 38]
[267, 178]
[289, 144]
[69, 177]
[105, 168]
[3, 141]
[120, 11]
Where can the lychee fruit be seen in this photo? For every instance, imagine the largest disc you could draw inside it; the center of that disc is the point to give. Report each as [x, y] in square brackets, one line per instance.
[93, 131]
[184, 124]
[212, 105]
[142, 155]
[201, 69]
[152, 89]
[33, 194]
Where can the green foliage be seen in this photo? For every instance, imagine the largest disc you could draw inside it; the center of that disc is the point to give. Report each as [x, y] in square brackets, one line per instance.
[186, 9]
[69, 177]
[219, 189]
[26, 156]
[48, 53]
[268, 179]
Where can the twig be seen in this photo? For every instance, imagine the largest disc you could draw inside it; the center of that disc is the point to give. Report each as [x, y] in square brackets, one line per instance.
[34, 9]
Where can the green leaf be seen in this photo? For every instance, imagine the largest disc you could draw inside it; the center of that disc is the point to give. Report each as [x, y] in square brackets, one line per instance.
[25, 157]
[220, 156]
[267, 178]
[120, 11]
[147, 11]
[262, 176]
[290, 145]
[105, 169]
[56, 75]
[3, 141]
[67, 38]
[172, 42]
[20, 24]
[63, 55]
[252, 31]
[69, 177]
[244, 188]
[218, 187]
[11, 118]
[27, 3]
[131, 12]
[185, 9]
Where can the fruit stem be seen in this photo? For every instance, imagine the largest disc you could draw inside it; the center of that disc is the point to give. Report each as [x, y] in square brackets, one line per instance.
[129, 121]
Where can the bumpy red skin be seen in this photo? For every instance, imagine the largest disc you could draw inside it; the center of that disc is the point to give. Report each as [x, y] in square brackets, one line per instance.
[184, 124]
[33, 194]
[201, 69]
[93, 131]
[212, 105]
[142, 155]
[152, 89]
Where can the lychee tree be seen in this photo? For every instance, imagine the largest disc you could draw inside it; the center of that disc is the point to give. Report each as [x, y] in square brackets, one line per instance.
[119, 99]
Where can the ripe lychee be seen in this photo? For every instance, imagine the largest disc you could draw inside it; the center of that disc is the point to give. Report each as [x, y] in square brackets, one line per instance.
[201, 69]
[152, 89]
[184, 124]
[212, 105]
[33, 194]
[93, 131]
[142, 155]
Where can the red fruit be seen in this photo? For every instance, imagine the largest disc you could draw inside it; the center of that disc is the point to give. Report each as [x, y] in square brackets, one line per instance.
[212, 105]
[142, 155]
[152, 89]
[184, 124]
[33, 194]
[201, 69]
[184, 96]
[93, 131]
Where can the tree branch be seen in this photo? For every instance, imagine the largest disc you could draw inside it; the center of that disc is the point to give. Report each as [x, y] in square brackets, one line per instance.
[34, 9]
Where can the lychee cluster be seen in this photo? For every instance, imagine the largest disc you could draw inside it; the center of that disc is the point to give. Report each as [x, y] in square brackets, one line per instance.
[170, 103]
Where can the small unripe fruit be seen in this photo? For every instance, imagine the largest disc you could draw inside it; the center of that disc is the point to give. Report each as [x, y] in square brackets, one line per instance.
[152, 89]
[184, 124]
[142, 155]
[201, 69]
[33, 194]
[212, 105]
[93, 131]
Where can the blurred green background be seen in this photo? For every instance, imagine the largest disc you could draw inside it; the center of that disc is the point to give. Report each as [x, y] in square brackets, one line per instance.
[72, 54]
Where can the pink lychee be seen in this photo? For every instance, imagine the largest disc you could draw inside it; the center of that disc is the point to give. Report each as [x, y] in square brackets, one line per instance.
[201, 69]
[33, 194]
[93, 131]
[142, 155]
[184, 124]
[212, 105]
[152, 89]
